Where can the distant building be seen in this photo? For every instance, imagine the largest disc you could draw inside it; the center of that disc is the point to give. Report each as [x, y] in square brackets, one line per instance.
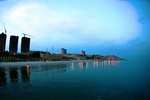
[48, 56]
[97, 56]
[25, 45]
[63, 51]
[83, 52]
[2, 42]
[13, 45]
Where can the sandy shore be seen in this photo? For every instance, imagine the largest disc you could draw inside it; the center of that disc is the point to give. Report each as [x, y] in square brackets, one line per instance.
[32, 63]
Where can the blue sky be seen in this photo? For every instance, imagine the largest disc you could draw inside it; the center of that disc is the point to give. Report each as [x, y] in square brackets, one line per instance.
[96, 26]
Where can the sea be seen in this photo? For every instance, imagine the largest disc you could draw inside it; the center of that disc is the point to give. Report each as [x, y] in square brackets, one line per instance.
[77, 80]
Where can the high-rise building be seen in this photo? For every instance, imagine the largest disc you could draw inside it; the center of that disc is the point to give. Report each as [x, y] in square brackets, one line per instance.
[25, 45]
[2, 42]
[13, 45]
[83, 52]
[63, 51]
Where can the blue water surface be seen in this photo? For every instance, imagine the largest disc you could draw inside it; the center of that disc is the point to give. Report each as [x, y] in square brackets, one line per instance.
[77, 80]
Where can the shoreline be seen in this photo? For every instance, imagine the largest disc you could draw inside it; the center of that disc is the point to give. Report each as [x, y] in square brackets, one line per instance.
[35, 63]
[31, 63]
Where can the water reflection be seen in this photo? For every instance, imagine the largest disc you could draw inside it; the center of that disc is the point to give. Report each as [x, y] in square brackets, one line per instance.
[53, 67]
[25, 73]
[95, 64]
[90, 84]
[105, 63]
[18, 74]
[13, 72]
[72, 66]
[2, 77]
[83, 65]
[80, 64]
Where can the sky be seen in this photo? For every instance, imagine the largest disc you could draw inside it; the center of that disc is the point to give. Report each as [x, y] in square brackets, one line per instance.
[106, 27]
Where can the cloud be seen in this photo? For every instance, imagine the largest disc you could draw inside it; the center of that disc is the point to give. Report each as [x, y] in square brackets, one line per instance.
[51, 26]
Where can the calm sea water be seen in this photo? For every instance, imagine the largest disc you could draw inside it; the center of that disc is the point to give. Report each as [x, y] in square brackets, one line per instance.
[81, 80]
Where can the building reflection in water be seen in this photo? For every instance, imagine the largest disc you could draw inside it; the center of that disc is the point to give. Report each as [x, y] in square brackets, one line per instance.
[96, 63]
[25, 73]
[114, 63]
[59, 67]
[83, 65]
[2, 77]
[72, 66]
[105, 63]
[13, 72]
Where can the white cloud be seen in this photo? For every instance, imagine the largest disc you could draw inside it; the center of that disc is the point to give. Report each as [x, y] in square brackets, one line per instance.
[50, 26]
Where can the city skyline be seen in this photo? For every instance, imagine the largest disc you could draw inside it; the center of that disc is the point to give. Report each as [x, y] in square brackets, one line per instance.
[25, 45]
[98, 27]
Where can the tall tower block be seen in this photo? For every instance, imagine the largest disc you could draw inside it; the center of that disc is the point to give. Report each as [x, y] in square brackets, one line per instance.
[2, 42]
[25, 45]
[63, 51]
[13, 45]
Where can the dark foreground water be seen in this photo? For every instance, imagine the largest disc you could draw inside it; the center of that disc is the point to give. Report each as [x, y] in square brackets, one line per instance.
[88, 80]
